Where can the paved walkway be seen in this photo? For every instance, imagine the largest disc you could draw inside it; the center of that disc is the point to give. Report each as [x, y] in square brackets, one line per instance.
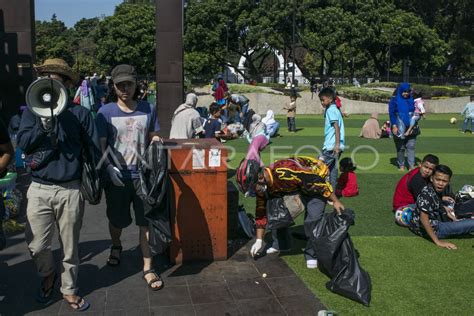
[232, 287]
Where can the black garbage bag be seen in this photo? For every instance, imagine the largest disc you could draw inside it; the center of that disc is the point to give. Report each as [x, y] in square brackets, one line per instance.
[278, 215]
[159, 224]
[337, 257]
[156, 194]
[91, 184]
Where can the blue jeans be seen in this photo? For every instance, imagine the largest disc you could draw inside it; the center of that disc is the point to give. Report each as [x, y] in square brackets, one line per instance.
[272, 129]
[402, 128]
[414, 119]
[331, 159]
[291, 124]
[462, 227]
[466, 122]
[408, 145]
[314, 213]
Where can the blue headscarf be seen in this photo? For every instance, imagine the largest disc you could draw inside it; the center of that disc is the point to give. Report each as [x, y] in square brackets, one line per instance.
[401, 106]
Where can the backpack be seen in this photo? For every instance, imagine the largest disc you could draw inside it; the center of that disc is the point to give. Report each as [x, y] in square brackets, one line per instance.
[464, 207]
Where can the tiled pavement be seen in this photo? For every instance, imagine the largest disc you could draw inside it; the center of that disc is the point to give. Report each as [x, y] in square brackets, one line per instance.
[232, 287]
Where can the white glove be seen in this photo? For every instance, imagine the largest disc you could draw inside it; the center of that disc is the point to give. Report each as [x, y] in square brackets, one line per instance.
[256, 247]
[115, 176]
[47, 123]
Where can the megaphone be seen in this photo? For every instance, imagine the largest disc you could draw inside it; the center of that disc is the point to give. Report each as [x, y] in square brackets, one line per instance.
[46, 97]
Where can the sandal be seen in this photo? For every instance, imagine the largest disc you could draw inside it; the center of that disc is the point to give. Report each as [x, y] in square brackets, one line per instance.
[114, 261]
[45, 296]
[157, 278]
[76, 306]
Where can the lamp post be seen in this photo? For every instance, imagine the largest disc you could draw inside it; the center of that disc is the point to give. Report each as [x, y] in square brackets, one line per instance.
[388, 61]
[226, 49]
[293, 42]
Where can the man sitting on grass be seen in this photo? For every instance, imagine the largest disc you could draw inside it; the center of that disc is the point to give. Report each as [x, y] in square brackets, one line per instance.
[429, 215]
[411, 184]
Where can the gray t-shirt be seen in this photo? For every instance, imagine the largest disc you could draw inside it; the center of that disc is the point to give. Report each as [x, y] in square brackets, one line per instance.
[127, 134]
[238, 98]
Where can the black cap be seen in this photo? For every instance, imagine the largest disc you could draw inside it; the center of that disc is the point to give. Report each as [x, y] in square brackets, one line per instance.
[123, 73]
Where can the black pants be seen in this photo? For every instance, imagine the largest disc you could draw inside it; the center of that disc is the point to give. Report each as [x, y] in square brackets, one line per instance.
[291, 124]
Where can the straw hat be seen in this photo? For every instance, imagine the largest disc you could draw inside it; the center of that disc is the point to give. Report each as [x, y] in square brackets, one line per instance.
[58, 66]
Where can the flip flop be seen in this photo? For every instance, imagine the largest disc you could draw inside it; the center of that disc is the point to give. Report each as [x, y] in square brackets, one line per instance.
[155, 279]
[76, 305]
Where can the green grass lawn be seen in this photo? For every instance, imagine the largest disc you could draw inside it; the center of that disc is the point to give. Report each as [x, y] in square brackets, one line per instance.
[410, 275]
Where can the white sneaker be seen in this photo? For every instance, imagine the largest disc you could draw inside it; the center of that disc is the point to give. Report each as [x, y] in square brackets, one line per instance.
[312, 264]
[272, 250]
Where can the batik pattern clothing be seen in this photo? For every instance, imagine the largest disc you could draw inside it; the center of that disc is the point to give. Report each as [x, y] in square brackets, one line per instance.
[304, 175]
[429, 201]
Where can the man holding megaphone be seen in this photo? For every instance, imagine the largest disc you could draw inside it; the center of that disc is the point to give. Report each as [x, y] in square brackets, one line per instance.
[53, 133]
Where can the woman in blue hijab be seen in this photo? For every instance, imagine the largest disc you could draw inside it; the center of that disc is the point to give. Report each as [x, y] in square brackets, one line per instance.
[400, 109]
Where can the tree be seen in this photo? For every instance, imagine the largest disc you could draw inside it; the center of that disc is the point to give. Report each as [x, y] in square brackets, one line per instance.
[128, 37]
[85, 47]
[390, 31]
[211, 24]
[453, 21]
[327, 34]
[52, 41]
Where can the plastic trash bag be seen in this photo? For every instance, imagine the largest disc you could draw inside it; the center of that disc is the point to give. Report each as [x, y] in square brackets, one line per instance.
[278, 216]
[282, 211]
[337, 257]
[91, 184]
[156, 194]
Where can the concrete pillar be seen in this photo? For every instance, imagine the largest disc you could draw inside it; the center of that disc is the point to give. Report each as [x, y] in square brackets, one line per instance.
[17, 53]
[169, 60]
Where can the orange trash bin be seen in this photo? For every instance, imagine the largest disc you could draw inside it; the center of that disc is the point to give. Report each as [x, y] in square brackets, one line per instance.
[198, 172]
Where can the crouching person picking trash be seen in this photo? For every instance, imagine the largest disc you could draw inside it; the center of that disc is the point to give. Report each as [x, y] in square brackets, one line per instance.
[305, 176]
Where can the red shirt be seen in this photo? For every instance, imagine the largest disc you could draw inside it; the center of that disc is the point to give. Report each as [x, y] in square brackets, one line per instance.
[347, 184]
[402, 195]
[338, 102]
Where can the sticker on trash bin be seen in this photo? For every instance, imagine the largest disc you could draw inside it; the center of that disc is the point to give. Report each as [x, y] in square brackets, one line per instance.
[214, 157]
[198, 158]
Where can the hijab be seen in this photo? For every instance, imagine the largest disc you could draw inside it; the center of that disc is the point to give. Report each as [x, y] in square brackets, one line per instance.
[371, 128]
[404, 105]
[84, 88]
[220, 91]
[269, 119]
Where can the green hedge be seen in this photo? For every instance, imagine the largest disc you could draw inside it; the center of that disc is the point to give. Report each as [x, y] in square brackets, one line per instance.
[362, 94]
[381, 85]
[427, 91]
[244, 88]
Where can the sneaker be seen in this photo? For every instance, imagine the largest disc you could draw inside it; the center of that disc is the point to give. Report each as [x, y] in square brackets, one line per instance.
[272, 250]
[312, 264]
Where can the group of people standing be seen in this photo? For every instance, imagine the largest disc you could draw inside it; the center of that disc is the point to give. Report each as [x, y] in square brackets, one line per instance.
[117, 136]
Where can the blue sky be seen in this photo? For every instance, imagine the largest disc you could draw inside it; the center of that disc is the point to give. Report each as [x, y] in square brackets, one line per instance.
[71, 11]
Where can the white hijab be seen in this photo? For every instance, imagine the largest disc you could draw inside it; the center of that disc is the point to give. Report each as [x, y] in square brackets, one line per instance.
[269, 118]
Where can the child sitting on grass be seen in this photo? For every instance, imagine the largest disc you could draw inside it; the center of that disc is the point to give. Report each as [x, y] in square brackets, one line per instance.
[386, 130]
[347, 182]
[419, 112]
